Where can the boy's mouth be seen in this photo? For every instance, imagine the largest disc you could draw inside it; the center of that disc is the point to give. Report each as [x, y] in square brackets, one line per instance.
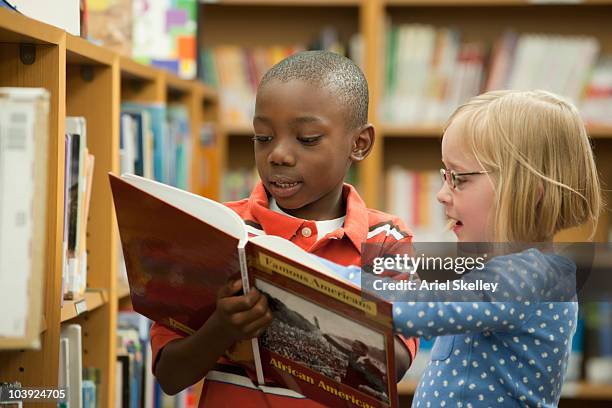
[283, 187]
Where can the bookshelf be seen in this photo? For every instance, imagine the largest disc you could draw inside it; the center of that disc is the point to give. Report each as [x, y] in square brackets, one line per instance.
[417, 147]
[46, 56]
[486, 21]
[90, 81]
[268, 23]
[76, 73]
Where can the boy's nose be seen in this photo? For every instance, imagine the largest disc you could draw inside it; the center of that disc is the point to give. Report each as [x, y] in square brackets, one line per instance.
[281, 155]
[444, 195]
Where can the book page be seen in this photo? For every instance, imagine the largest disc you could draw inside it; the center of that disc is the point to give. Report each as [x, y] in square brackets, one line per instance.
[204, 209]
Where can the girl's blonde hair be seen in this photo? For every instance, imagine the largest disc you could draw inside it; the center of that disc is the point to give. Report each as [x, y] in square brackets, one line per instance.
[541, 162]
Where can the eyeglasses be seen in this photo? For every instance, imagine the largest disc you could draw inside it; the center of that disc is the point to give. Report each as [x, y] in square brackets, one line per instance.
[454, 179]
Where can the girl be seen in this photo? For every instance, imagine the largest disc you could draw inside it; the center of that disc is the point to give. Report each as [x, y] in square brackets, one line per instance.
[518, 168]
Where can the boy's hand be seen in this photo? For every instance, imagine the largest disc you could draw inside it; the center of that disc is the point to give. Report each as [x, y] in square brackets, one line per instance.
[241, 317]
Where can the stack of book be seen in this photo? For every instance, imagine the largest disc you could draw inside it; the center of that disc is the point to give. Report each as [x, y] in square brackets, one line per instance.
[159, 33]
[237, 70]
[136, 387]
[81, 383]
[597, 103]
[156, 142]
[411, 195]
[78, 177]
[430, 71]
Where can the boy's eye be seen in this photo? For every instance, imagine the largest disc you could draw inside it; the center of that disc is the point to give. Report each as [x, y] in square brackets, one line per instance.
[309, 140]
[261, 138]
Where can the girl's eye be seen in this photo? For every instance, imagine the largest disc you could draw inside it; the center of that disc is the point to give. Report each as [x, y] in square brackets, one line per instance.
[309, 140]
[459, 180]
[262, 139]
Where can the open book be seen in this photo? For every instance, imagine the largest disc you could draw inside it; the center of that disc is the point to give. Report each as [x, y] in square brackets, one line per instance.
[327, 341]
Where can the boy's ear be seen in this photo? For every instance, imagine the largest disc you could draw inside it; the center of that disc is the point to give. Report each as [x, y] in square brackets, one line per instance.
[363, 141]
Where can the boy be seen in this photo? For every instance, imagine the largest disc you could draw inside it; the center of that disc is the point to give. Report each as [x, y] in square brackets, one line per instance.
[310, 124]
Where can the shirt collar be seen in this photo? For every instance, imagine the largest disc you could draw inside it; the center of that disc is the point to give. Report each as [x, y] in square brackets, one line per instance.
[273, 223]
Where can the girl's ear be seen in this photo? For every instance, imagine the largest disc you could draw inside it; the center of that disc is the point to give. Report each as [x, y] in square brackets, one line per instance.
[363, 142]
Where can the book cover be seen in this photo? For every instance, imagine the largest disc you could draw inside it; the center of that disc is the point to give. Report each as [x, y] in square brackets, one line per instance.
[24, 178]
[328, 340]
[72, 332]
[177, 264]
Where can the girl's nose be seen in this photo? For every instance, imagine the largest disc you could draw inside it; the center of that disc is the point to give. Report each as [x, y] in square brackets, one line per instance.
[444, 195]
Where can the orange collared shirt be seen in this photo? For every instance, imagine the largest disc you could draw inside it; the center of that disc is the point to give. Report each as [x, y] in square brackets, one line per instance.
[342, 246]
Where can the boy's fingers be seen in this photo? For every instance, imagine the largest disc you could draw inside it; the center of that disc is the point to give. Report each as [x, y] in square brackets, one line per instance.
[238, 304]
[229, 289]
[256, 328]
[251, 314]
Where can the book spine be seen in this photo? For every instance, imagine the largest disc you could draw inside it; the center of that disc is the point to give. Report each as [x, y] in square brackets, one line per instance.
[244, 271]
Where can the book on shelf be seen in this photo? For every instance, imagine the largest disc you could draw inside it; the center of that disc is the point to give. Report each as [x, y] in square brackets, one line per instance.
[164, 35]
[63, 376]
[142, 389]
[24, 135]
[72, 334]
[151, 137]
[89, 394]
[78, 179]
[136, 142]
[5, 4]
[64, 14]
[597, 104]
[445, 71]
[177, 264]
[155, 142]
[110, 24]
[411, 195]
[236, 70]
[179, 147]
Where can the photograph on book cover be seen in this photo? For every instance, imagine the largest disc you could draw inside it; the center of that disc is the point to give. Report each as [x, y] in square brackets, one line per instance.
[328, 341]
[325, 342]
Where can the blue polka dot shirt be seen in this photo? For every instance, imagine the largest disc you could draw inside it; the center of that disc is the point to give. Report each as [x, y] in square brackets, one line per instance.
[493, 354]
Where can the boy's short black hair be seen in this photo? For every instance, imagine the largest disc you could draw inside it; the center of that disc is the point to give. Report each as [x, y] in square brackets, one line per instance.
[330, 71]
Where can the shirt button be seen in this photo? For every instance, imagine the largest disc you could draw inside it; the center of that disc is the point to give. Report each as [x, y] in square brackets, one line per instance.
[306, 232]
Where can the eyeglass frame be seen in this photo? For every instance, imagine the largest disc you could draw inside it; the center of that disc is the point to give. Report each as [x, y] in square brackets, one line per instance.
[454, 175]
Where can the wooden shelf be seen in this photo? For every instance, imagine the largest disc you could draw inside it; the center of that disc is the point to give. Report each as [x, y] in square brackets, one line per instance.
[208, 91]
[595, 131]
[177, 85]
[123, 290]
[411, 131]
[237, 130]
[600, 131]
[584, 390]
[16, 28]
[133, 70]
[84, 79]
[286, 3]
[43, 325]
[80, 51]
[488, 3]
[91, 300]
